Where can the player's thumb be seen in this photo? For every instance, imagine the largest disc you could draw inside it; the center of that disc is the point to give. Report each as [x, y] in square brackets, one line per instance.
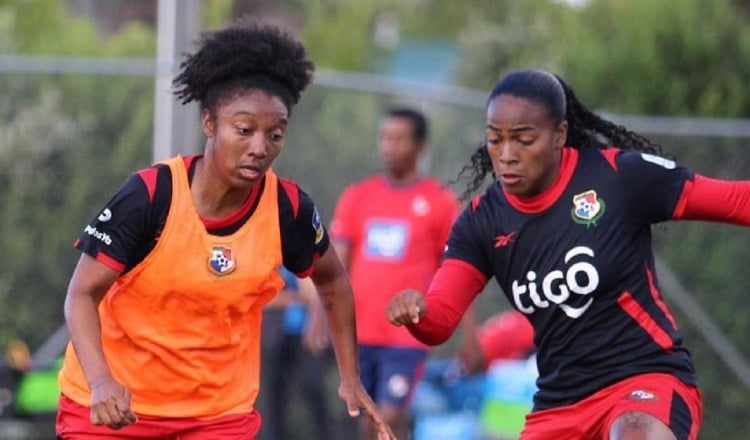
[352, 407]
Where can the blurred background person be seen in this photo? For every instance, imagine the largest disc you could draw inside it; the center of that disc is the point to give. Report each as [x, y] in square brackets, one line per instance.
[295, 359]
[390, 231]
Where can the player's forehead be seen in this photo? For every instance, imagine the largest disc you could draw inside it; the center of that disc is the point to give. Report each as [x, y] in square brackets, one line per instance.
[509, 112]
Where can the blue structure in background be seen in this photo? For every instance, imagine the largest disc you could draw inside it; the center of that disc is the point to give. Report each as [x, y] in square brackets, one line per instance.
[426, 61]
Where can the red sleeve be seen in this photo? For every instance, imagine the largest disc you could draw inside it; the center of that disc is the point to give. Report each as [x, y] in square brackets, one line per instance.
[714, 200]
[343, 224]
[450, 294]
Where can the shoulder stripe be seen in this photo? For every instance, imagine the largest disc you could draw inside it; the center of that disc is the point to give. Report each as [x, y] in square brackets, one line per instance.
[148, 176]
[290, 188]
[475, 203]
[610, 154]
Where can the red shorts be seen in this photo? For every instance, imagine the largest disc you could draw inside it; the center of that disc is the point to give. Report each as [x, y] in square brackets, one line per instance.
[663, 396]
[74, 423]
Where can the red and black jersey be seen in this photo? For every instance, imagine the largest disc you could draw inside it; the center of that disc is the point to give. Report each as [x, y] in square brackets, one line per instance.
[127, 229]
[577, 261]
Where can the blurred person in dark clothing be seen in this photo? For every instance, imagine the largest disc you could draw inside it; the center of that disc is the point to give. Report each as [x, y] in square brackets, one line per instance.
[295, 359]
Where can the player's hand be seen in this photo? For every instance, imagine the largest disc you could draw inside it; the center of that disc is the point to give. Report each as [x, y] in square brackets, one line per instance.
[315, 338]
[110, 405]
[406, 307]
[357, 399]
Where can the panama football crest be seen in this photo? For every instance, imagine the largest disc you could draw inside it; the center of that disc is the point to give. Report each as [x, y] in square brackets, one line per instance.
[221, 262]
[587, 208]
[317, 225]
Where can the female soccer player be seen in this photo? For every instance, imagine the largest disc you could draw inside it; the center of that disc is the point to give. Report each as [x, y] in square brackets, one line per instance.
[164, 306]
[565, 230]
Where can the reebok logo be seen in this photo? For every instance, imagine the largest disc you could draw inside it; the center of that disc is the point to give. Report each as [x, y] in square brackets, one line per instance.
[101, 236]
[504, 240]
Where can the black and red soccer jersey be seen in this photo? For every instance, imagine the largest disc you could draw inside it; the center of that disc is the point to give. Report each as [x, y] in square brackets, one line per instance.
[577, 261]
[127, 229]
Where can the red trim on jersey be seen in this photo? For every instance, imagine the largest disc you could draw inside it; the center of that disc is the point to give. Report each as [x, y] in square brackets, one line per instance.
[238, 214]
[657, 297]
[307, 272]
[475, 203]
[714, 200]
[291, 190]
[148, 176]
[550, 195]
[189, 160]
[611, 155]
[643, 319]
[451, 291]
[110, 262]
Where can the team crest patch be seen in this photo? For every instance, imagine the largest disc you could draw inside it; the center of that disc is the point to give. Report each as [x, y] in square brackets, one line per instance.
[587, 208]
[221, 262]
[317, 226]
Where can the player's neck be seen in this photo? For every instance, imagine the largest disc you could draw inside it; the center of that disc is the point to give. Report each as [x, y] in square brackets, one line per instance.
[402, 179]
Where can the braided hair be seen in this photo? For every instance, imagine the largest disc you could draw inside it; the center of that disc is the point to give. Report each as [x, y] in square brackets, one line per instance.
[585, 128]
[245, 55]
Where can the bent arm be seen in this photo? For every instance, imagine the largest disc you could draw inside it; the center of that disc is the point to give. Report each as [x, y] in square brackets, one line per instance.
[716, 200]
[88, 285]
[449, 296]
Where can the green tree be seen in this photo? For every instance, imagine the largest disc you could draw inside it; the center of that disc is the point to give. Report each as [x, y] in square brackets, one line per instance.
[68, 141]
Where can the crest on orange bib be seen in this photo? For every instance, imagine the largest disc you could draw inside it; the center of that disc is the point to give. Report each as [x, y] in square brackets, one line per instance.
[221, 261]
[587, 208]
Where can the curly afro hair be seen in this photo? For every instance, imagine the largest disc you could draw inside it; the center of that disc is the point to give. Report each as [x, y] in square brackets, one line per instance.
[245, 55]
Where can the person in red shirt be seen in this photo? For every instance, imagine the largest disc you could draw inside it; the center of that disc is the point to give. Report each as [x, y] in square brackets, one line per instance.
[390, 231]
[164, 307]
[565, 229]
[507, 335]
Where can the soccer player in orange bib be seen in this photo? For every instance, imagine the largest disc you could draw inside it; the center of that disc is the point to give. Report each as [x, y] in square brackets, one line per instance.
[164, 306]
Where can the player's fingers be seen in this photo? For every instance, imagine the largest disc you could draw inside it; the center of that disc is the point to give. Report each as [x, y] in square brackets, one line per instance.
[352, 407]
[129, 416]
[414, 314]
[122, 406]
[98, 416]
[384, 431]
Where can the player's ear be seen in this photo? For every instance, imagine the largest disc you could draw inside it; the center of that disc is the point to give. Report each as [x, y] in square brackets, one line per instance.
[561, 134]
[207, 123]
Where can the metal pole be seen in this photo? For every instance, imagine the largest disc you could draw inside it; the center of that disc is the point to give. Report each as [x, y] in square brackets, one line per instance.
[175, 125]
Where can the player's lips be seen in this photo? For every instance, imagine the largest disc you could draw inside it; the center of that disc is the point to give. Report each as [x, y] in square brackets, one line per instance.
[510, 179]
[250, 172]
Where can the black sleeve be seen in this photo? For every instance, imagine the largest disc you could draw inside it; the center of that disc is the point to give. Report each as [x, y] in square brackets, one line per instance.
[304, 238]
[465, 244]
[125, 230]
[655, 184]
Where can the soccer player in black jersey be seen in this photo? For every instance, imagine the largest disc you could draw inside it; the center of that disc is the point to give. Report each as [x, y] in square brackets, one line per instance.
[565, 230]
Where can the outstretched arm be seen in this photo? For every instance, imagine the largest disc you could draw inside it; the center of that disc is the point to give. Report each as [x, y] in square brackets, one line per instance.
[433, 318]
[332, 283]
[716, 200]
